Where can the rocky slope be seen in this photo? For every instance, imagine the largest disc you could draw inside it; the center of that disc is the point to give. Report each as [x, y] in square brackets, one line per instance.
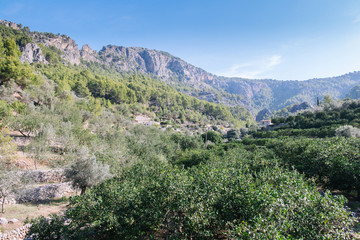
[156, 63]
[255, 95]
[32, 53]
[68, 47]
[88, 54]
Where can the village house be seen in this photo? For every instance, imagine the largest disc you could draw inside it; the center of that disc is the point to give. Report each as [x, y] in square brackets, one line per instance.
[266, 123]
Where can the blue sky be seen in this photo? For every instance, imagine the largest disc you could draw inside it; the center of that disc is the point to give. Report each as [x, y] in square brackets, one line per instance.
[279, 39]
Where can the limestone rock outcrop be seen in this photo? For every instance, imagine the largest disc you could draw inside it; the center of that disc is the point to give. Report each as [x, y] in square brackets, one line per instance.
[153, 62]
[68, 47]
[32, 53]
[11, 24]
[89, 54]
[13, 220]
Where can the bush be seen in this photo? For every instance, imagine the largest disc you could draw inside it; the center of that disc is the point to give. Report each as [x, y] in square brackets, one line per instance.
[49, 228]
[212, 137]
[347, 131]
[333, 162]
[5, 109]
[244, 195]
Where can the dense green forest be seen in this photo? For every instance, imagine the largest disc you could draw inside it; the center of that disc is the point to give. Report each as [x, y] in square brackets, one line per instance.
[141, 93]
[149, 183]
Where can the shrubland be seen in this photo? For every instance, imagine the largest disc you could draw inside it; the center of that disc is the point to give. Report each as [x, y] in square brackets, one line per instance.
[148, 183]
[237, 194]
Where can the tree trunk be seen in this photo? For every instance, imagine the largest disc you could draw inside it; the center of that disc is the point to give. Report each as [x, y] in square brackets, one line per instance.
[3, 205]
[83, 189]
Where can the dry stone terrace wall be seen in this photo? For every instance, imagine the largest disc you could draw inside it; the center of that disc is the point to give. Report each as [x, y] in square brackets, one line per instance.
[43, 193]
[38, 194]
[58, 188]
[45, 176]
[19, 233]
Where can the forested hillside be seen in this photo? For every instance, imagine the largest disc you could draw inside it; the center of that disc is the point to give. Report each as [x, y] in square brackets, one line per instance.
[254, 95]
[136, 94]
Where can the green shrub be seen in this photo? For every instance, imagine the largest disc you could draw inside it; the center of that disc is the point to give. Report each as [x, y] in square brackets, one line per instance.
[5, 109]
[244, 195]
[334, 162]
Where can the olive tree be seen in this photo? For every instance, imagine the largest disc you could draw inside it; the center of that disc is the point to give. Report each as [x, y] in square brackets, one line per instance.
[347, 131]
[41, 143]
[9, 181]
[86, 171]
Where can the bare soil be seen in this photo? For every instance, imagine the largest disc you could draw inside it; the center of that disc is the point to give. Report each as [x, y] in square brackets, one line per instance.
[29, 210]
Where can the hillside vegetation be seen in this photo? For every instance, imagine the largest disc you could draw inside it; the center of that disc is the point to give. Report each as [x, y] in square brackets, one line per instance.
[152, 182]
[320, 122]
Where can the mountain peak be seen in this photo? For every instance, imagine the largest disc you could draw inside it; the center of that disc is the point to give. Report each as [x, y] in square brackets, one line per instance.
[11, 24]
[88, 54]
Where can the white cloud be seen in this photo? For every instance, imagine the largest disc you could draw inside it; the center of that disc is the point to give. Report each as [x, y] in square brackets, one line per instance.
[274, 60]
[253, 69]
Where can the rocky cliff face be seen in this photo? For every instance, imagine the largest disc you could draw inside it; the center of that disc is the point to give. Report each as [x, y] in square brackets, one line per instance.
[156, 63]
[11, 24]
[255, 95]
[64, 43]
[32, 53]
[88, 54]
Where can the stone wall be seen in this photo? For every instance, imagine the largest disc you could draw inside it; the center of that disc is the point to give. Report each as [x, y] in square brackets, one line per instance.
[57, 189]
[19, 233]
[43, 193]
[45, 176]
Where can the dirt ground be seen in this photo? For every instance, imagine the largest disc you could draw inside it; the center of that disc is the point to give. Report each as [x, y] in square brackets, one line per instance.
[29, 210]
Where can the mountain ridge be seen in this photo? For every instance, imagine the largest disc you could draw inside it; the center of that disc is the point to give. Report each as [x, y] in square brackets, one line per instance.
[253, 94]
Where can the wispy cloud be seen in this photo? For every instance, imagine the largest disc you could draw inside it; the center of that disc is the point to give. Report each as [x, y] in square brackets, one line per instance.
[253, 69]
[274, 60]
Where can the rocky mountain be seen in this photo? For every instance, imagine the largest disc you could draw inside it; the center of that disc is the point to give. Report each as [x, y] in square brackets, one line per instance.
[11, 24]
[255, 95]
[156, 63]
[32, 53]
[88, 54]
[68, 47]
